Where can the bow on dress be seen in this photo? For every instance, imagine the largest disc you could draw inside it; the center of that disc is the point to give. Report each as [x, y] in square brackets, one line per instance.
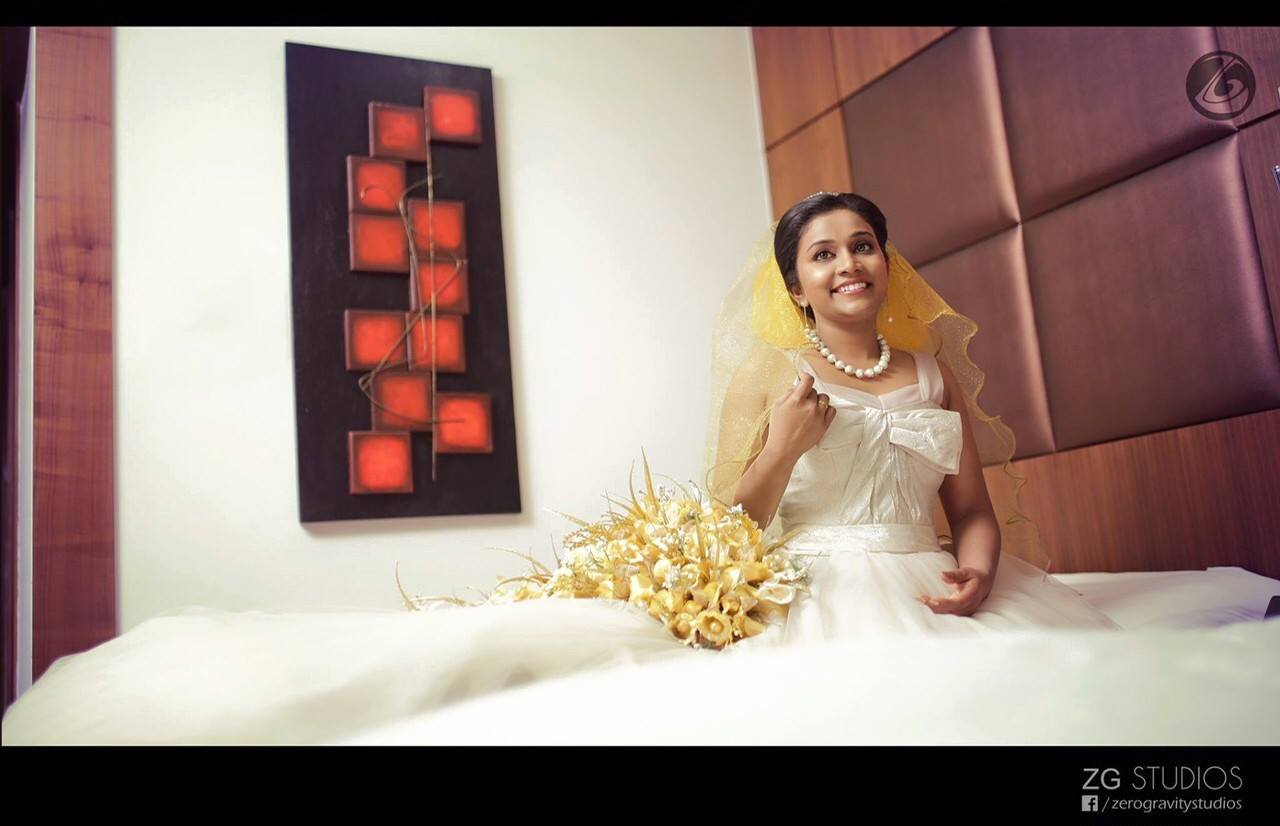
[932, 435]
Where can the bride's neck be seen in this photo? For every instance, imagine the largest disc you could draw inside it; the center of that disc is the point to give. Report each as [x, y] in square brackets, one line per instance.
[855, 342]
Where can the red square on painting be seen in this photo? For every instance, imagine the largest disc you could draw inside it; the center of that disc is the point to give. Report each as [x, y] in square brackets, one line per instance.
[379, 462]
[449, 221]
[451, 354]
[405, 398]
[464, 423]
[378, 243]
[370, 335]
[451, 290]
[397, 132]
[454, 114]
[374, 185]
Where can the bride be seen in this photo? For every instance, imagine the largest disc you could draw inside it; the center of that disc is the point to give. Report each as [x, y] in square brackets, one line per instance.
[874, 425]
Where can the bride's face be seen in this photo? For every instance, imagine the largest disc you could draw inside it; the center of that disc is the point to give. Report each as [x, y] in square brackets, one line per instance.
[836, 249]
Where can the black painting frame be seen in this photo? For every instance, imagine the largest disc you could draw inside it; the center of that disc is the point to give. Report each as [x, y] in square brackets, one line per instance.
[327, 96]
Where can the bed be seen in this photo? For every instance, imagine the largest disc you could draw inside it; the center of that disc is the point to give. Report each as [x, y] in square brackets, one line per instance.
[1197, 662]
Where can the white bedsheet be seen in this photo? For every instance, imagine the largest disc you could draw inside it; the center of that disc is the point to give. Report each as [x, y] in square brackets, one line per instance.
[1177, 599]
[1194, 666]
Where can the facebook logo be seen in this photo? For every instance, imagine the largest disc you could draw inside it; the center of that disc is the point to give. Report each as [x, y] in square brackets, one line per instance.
[1088, 803]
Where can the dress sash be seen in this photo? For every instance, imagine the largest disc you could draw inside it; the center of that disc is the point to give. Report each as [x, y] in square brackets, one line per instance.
[877, 538]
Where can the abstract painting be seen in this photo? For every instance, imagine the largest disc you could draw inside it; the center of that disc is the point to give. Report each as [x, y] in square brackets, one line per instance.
[402, 356]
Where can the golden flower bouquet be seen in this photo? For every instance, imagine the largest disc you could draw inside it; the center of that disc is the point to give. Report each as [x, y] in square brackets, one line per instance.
[701, 569]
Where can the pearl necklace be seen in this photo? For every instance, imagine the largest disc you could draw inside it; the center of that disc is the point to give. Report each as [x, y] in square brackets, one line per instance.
[868, 373]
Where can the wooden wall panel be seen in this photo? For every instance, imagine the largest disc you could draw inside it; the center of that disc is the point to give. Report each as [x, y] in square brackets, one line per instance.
[815, 158]
[14, 61]
[73, 540]
[796, 77]
[1182, 499]
[863, 54]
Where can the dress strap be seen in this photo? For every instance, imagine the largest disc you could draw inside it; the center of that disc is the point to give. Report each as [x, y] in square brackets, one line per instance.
[930, 377]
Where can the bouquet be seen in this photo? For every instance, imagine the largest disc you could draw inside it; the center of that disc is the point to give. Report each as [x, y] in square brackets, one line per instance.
[700, 568]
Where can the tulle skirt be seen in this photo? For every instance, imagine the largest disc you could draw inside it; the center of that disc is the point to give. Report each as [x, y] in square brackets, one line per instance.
[206, 676]
[857, 593]
[209, 676]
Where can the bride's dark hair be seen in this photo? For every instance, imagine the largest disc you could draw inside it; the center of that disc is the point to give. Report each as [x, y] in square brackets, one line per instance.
[786, 238]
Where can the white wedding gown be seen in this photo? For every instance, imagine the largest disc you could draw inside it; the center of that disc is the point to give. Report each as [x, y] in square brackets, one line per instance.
[864, 497]
[205, 675]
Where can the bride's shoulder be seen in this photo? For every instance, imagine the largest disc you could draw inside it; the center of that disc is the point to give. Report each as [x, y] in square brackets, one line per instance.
[916, 355]
[895, 352]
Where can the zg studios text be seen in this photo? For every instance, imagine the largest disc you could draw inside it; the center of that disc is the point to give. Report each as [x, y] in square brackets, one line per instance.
[1167, 778]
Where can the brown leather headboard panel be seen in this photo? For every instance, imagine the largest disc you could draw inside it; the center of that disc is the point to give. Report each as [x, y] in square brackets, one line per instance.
[1088, 107]
[926, 143]
[1151, 304]
[987, 281]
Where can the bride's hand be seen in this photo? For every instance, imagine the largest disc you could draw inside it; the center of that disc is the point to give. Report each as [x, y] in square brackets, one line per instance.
[799, 419]
[972, 587]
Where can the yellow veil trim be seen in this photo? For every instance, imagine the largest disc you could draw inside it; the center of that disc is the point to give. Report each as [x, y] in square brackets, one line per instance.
[754, 362]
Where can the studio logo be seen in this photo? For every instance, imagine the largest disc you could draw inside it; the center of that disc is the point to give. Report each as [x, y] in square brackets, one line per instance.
[1220, 85]
[1161, 788]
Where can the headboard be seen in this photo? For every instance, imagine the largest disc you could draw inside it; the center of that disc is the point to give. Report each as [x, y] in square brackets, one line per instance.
[1120, 252]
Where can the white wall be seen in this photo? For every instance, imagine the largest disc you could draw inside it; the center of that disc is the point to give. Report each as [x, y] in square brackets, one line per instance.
[632, 172]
